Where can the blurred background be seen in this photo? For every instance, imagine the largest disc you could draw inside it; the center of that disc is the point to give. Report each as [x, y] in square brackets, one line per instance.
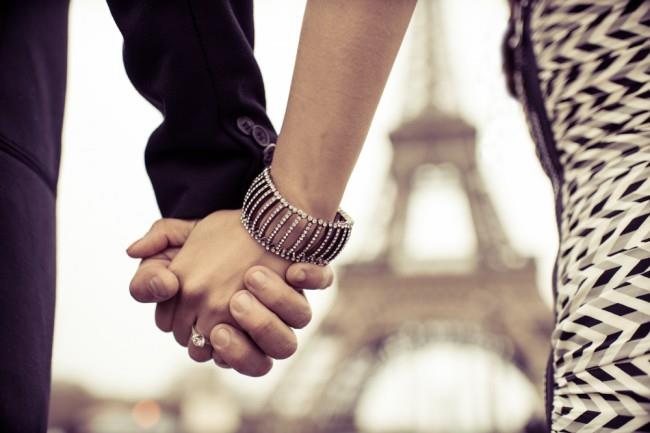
[439, 318]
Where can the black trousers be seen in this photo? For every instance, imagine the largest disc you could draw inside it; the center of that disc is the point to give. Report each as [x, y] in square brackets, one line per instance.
[192, 59]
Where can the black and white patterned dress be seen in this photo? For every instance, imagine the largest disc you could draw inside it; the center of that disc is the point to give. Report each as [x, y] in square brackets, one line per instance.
[584, 78]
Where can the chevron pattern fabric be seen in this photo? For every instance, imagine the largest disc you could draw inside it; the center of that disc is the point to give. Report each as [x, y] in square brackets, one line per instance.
[594, 69]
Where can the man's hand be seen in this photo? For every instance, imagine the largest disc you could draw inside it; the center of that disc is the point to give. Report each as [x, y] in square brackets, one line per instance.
[259, 315]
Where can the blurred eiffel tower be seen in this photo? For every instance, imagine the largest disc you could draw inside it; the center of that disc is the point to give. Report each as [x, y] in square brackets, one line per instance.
[394, 302]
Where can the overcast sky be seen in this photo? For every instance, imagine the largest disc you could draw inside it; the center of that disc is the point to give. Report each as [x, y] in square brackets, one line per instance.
[109, 342]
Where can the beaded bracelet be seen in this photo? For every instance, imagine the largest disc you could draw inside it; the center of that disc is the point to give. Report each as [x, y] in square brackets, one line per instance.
[271, 221]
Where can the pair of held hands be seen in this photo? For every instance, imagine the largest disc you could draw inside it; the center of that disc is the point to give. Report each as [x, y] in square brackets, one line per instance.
[212, 274]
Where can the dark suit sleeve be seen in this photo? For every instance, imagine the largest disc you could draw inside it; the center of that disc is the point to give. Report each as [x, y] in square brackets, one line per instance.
[193, 60]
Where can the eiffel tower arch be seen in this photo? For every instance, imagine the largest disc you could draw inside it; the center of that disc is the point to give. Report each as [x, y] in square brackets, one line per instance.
[393, 303]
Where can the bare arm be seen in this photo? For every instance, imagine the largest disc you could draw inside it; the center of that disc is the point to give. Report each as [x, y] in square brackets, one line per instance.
[346, 51]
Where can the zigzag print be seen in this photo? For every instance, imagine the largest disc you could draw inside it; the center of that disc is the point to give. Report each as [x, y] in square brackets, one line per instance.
[594, 70]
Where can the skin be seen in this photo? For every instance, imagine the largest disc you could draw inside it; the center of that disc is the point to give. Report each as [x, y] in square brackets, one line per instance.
[274, 303]
[346, 51]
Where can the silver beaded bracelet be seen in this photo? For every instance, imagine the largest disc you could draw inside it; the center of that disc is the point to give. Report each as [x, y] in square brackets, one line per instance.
[265, 213]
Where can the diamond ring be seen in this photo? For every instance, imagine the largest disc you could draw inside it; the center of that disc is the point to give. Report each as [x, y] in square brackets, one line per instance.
[197, 339]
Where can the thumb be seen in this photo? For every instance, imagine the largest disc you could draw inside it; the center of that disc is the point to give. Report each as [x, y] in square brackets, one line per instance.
[153, 281]
[164, 233]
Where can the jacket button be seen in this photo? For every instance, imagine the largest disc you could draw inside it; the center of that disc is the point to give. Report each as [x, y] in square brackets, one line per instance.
[261, 135]
[268, 154]
[245, 124]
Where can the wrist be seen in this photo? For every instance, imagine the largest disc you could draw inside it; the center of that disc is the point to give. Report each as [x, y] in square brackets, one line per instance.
[288, 231]
[304, 193]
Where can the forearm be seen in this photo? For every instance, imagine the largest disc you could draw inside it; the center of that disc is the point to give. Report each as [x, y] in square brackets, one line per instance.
[346, 51]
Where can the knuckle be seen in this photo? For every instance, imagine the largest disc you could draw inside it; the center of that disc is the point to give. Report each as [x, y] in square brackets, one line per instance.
[279, 301]
[177, 230]
[193, 290]
[261, 326]
[179, 269]
[175, 269]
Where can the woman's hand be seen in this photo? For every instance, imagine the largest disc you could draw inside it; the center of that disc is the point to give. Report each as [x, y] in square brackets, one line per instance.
[196, 284]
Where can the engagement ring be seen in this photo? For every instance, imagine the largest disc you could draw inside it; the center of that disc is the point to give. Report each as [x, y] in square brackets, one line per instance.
[197, 339]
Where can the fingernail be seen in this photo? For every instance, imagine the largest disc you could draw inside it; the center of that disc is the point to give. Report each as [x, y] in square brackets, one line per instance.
[133, 244]
[259, 279]
[300, 276]
[243, 302]
[157, 288]
[221, 339]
